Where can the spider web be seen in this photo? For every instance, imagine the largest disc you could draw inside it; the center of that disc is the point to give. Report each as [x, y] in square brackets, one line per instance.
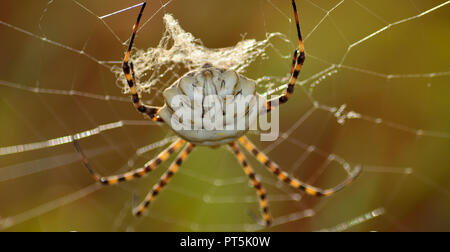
[373, 94]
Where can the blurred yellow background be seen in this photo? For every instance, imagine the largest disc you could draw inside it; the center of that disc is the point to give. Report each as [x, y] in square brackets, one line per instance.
[400, 75]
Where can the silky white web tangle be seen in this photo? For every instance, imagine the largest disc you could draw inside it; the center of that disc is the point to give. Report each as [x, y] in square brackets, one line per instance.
[180, 49]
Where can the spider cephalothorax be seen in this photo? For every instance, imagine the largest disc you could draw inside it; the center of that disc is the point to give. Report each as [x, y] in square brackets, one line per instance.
[211, 106]
[192, 96]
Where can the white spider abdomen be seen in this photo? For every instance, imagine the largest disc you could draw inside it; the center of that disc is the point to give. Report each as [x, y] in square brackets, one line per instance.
[211, 106]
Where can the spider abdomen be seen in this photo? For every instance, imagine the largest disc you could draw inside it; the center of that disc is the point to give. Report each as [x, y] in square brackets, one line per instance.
[211, 106]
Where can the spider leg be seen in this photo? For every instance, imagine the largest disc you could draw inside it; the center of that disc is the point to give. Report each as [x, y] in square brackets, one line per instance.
[294, 61]
[283, 176]
[256, 183]
[139, 210]
[138, 173]
[299, 57]
[128, 70]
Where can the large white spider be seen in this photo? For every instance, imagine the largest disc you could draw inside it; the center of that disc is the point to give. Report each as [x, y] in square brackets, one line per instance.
[221, 83]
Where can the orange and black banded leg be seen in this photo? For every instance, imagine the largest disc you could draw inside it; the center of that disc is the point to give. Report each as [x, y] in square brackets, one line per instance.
[294, 61]
[256, 183]
[138, 173]
[283, 176]
[128, 69]
[299, 60]
[165, 179]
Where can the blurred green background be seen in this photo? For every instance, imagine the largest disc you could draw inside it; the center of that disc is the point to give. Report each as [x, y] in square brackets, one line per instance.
[193, 201]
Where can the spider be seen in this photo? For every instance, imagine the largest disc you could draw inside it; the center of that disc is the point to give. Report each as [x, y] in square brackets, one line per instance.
[211, 80]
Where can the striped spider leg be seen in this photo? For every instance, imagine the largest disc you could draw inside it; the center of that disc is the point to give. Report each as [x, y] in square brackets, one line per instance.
[128, 70]
[295, 183]
[256, 183]
[299, 60]
[138, 173]
[165, 179]
[281, 175]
